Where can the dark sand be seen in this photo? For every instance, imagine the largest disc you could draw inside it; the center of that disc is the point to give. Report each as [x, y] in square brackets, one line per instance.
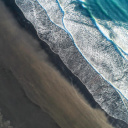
[14, 104]
[25, 67]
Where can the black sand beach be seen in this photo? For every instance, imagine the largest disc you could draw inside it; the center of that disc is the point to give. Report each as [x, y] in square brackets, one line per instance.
[15, 74]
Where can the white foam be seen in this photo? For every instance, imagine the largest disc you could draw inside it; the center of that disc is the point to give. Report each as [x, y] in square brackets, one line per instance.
[92, 46]
[118, 34]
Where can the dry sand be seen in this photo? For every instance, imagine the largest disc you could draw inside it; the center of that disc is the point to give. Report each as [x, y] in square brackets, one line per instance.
[43, 84]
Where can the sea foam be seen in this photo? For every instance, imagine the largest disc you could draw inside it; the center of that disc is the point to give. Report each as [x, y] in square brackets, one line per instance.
[98, 51]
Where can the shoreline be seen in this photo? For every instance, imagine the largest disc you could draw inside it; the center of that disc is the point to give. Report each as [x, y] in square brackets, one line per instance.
[26, 66]
[54, 58]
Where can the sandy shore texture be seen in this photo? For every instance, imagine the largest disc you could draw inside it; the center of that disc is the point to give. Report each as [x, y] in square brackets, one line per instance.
[33, 94]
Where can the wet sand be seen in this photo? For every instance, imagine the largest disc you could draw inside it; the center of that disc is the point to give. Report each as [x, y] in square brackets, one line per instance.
[33, 93]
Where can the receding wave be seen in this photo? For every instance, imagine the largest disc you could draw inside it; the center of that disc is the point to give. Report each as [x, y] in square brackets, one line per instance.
[72, 31]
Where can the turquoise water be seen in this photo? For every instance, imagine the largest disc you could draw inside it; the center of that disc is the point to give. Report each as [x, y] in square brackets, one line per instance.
[111, 17]
[111, 10]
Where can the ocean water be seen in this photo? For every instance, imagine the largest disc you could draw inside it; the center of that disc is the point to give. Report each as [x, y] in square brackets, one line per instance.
[111, 18]
[90, 37]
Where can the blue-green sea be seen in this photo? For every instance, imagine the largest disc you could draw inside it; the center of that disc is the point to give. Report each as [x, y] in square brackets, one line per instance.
[111, 18]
